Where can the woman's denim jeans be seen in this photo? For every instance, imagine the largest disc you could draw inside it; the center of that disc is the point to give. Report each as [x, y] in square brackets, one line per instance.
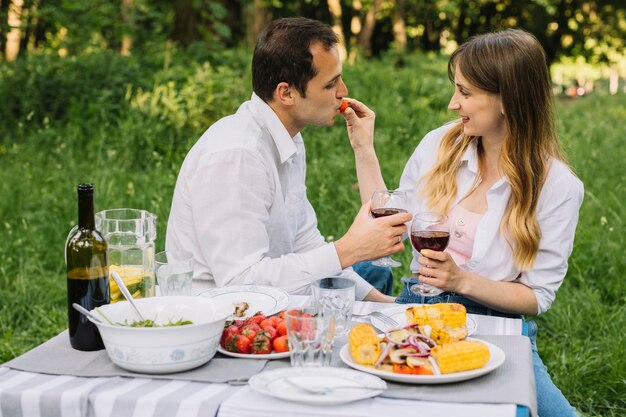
[550, 400]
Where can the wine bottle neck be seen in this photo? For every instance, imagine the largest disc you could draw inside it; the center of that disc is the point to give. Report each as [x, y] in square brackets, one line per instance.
[86, 211]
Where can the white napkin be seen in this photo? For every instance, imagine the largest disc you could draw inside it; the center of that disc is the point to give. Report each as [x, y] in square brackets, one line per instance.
[249, 403]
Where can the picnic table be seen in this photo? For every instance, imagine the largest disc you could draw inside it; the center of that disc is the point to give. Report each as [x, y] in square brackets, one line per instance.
[54, 380]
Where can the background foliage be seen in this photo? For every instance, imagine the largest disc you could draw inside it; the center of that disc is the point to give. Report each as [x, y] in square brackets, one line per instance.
[592, 29]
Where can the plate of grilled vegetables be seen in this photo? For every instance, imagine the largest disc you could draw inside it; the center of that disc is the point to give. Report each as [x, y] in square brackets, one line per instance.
[433, 348]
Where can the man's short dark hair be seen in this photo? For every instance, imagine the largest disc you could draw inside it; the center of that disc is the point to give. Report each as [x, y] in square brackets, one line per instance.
[282, 54]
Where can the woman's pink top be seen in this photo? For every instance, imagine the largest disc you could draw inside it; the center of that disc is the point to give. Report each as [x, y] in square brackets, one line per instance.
[463, 225]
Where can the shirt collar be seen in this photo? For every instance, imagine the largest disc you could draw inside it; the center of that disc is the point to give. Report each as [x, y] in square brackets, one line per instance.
[285, 144]
[471, 157]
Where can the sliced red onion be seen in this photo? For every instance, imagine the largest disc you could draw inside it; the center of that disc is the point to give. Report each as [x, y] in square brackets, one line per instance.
[383, 355]
[393, 342]
[430, 342]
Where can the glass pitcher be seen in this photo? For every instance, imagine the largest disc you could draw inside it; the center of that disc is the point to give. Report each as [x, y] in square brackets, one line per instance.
[130, 234]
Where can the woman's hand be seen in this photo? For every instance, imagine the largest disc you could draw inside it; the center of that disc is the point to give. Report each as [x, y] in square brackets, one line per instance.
[360, 123]
[439, 270]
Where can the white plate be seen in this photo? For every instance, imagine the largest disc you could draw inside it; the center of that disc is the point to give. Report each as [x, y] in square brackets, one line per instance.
[496, 358]
[274, 383]
[275, 355]
[268, 300]
[398, 314]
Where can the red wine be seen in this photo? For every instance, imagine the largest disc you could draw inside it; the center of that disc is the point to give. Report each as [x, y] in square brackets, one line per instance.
[386, 211]
[428, 239]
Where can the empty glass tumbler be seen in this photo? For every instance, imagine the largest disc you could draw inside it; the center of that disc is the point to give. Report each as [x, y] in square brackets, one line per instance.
[310, 334]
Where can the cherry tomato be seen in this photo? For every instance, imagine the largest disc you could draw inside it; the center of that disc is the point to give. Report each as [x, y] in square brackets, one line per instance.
[281, 344]
[281, 329]
[261, 344]
[238, 343]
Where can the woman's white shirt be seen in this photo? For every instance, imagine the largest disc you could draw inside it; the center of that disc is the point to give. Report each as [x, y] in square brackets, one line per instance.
[492, 257]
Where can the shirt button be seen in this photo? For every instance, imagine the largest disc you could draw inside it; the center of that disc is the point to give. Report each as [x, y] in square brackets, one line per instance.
[460, 222]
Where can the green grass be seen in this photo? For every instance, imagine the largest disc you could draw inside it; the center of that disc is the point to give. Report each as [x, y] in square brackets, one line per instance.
[125, 124]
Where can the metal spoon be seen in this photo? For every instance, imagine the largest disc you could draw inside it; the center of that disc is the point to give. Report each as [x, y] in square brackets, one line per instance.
[120, 283]
[86, 312]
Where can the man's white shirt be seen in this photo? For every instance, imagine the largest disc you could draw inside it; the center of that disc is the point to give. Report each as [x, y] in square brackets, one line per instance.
[240, 206]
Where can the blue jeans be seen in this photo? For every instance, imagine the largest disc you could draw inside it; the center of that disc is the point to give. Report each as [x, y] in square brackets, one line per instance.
[550, 400]
[379, 276]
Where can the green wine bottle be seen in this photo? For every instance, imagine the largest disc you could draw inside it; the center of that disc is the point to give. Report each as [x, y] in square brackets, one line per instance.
[87, 273]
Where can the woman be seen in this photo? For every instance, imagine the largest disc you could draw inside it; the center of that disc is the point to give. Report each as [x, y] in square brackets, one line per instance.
[500, 175]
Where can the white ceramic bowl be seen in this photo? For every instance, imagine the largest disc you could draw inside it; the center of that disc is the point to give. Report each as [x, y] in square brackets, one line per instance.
[159, 350]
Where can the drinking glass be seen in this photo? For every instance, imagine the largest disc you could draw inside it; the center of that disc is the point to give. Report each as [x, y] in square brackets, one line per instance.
[335, 296]
[174, 272]
[386, 203]
[429, 231]
[310, 333]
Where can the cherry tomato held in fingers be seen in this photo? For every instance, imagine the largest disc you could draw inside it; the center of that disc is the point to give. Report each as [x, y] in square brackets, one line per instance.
[344, 105]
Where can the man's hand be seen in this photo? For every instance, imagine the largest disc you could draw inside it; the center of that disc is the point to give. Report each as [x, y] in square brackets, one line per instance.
[369, 238]
[360, 123]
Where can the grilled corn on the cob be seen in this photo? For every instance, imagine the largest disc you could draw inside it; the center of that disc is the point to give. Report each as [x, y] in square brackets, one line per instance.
[364, 344]
[446, 334]
[460, 356]
[442, 314]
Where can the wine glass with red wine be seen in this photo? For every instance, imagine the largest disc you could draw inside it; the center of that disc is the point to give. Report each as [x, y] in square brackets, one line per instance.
[386, 203]
[429, 231]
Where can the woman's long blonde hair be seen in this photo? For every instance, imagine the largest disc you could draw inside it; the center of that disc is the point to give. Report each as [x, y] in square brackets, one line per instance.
[513, 65]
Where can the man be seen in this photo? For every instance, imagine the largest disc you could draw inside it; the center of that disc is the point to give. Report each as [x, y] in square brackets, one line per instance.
[240, 203]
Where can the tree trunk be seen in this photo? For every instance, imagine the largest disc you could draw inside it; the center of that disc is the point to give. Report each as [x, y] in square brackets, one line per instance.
[399, 25]
[334, 7]
[614, 80]
[4, 12]
[12, 48]
[365, 37]
[459, 33]
[234, 21]
[184, 31]
[257, 17]
[32, 33]
[127, 7]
